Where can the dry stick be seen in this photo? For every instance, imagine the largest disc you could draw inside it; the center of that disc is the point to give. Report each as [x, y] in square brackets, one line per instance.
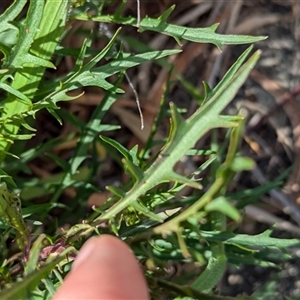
[137, 100]
[286, 98]
[296, 61]
[290, 208]
[138, 13]
[103, 28]
[265, 217]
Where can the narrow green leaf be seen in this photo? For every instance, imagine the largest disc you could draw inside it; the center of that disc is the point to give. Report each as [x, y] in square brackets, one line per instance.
[7, 178]
[148, 213]
[25, 124]
[102, 53]
[223, 206]
[231, 72]
[134, 170]
[35, 250]
[126, 153]
[59, 161]
[240, 164]
[116, 191]
[49, 286]
[185, 180]
[211, 275]
[199, 152]
[21, 136]
[18, 94]
[35, 209]
[81, 56]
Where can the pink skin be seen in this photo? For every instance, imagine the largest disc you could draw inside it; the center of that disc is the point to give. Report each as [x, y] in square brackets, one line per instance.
[105, 268]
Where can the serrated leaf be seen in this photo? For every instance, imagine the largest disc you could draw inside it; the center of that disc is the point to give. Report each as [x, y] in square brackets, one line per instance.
[31, 59]
[124, 63]
[259, 240]
[185, 136]
[27, 31]
[198, 35]
[97, 76]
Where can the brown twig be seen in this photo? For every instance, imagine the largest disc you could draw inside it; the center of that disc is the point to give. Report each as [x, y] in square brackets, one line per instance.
[289, 96]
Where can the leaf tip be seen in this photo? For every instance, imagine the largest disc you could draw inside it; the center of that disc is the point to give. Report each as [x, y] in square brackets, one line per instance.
[214, 26]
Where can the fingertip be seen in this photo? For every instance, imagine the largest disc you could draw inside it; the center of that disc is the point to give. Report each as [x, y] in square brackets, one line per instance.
[104, 269]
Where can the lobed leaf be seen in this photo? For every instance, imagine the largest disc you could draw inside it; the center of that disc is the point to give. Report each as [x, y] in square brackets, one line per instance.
[160, 25]
[184, 134]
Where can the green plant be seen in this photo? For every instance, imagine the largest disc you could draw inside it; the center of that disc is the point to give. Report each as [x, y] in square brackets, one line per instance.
[145, 212]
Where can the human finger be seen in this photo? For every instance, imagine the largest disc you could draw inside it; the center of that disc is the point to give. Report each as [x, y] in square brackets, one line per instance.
[105, 268]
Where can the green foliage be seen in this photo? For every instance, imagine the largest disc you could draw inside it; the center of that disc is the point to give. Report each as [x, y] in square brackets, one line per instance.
[148, 211]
